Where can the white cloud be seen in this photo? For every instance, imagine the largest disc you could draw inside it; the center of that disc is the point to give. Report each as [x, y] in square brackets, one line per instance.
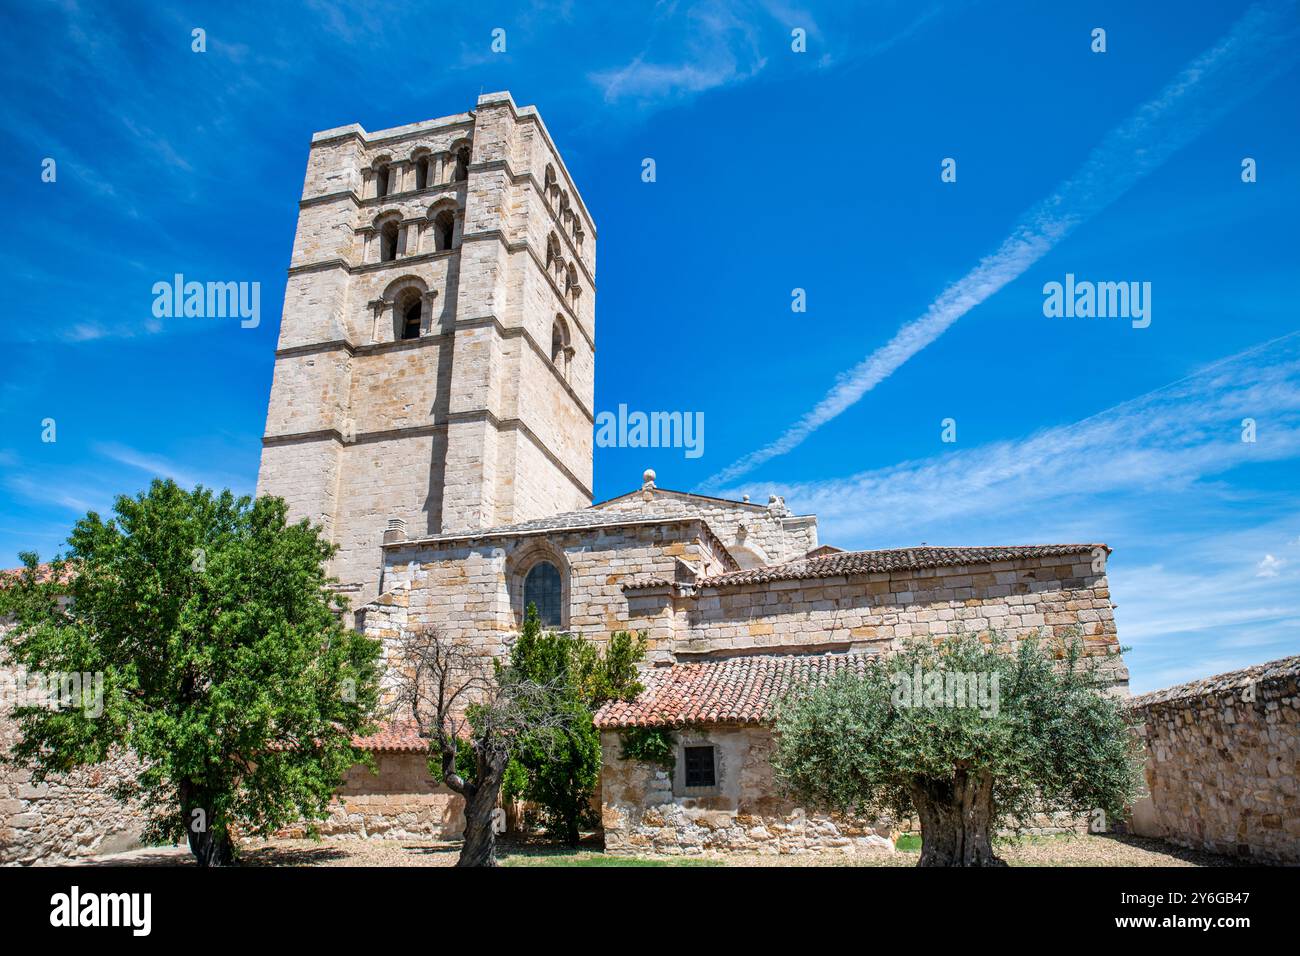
[1157, 444]
[1243, 61]
[154, 465]
[1269, 566]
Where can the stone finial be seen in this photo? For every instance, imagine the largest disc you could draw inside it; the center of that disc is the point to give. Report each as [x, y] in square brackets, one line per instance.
[648, 479]
[396, 531]
[745, 498]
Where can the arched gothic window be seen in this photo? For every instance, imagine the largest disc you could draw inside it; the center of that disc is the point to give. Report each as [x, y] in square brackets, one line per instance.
[461, 172]
[383, 180]
[542, 587]
[422, 178]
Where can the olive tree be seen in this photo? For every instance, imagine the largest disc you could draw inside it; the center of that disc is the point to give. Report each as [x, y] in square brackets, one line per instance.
[969, 735]
[475, 713]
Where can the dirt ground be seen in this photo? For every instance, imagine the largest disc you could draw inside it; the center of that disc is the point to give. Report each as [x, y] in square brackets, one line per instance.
[1065, 850]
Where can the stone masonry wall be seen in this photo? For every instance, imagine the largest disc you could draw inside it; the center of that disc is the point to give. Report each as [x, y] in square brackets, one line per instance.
[1223, 763]
[70, 815]
[645, 811]
[767, 533]
[401, 803]
[473, 587]
[1048, 597]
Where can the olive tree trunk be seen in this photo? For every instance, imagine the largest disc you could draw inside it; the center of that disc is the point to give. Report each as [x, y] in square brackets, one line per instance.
[481, 797]
[957, 819]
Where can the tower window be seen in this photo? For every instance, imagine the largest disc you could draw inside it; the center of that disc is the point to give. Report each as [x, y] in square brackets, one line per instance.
[699, 769]
[444, 230]
[542, 588]
[411, 321]
[422, 172]
[461, 171]
[388, 242]
[383, 180]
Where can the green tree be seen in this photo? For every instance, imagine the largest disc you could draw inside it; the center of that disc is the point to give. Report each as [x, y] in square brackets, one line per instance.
[561, 771]
[225, 667]
[1037, 735]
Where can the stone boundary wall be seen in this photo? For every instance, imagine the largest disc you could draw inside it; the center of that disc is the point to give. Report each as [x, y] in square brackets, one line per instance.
[70, 815]
[401, 803]
[1223, 761]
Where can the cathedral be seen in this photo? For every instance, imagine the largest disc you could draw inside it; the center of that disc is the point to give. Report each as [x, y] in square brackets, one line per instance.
[432, 408]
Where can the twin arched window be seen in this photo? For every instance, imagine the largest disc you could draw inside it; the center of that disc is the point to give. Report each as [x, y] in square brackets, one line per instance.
[543, 588]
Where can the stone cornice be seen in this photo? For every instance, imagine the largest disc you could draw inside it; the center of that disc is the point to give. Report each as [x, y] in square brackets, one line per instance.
[413, 431]
[441, 338]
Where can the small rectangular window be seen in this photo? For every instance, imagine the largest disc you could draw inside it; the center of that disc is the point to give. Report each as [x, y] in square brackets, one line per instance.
[699, 767]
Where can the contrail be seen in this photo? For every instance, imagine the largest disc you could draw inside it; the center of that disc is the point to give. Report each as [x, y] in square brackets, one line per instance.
[1258, 48]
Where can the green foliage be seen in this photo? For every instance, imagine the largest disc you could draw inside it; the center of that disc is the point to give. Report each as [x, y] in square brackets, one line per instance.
[225, 667]
[561, 769]
[656, 745]
[1054, 741]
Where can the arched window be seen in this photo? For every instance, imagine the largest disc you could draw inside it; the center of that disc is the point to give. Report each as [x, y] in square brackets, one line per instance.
[552, 251]
[422, 172]
[557, 343]
[461, 171]
[411, 320]
[571, 287]
[383, 179]
[542, 587]
[444, 230]
[560, 350]
[388, 241]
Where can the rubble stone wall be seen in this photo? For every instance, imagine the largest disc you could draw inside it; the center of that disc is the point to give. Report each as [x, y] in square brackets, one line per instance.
[1223, 763]
[645, 810]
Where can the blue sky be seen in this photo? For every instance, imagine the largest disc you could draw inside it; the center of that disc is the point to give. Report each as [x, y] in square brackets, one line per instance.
[776, 170]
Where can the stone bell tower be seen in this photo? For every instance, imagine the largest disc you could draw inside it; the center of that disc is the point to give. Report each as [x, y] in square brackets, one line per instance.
[436, 356]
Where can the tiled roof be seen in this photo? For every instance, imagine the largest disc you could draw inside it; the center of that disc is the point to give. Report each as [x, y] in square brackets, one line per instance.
[1288, 668]
[845, 563]
[734, 690]
[44, 574]
[394, 737]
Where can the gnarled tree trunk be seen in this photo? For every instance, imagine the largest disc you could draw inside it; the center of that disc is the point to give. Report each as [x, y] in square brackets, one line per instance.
[481, 796]
[956, 820]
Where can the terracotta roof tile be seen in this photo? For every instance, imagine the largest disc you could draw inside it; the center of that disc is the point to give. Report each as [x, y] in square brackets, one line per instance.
[44, 574]
[734, 690]
[394, 737]
[844, 563]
